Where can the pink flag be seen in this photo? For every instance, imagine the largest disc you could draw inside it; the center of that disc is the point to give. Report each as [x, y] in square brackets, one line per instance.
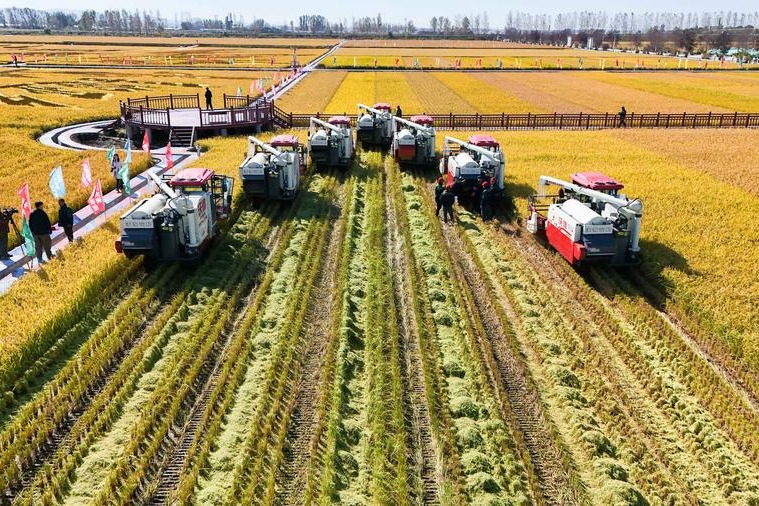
[26, 202]
[86, 173]
[169, 160]
[146, 143]
[252, 89]
[96, 199]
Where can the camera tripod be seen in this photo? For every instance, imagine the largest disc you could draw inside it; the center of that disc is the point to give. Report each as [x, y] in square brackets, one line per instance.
[18, 232]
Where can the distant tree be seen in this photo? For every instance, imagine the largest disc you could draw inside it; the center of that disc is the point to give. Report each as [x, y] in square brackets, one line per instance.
[433, 24]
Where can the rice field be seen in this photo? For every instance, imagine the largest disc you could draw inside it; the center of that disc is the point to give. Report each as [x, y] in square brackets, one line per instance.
[350, 348]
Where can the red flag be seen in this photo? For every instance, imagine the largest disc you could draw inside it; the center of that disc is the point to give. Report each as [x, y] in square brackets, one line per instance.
[169, 160]
[26, 202]
[450, 179]
[86, 173]
[146, 143]
[96, 199]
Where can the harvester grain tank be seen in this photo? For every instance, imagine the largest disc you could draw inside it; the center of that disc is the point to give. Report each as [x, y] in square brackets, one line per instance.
[414, 140]
[331, 143]
[374, 125]
[272, 171]
[588, 220]
[180, 221]
[468, 164]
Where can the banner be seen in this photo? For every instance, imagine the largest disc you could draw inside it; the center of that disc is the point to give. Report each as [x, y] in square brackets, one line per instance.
[96, 199]
[110, 154]
[26, 202]
[128, 149]
[26, 234]
[145, 144]
[124, 176]
[86, 173]
[56, 183]
[169, 159]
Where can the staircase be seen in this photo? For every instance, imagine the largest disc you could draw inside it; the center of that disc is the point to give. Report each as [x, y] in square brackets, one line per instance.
[281, 118]
[182, 137]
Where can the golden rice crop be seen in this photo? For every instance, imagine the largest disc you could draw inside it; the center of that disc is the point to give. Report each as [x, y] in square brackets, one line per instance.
[371, 87]
[313, 93]
[484, 97]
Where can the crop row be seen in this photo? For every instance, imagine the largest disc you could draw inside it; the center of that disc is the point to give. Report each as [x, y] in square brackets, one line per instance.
[490, 459]
[93, 360]
[651, 422]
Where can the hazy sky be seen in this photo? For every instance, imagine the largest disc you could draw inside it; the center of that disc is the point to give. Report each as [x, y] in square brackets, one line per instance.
[419, 11]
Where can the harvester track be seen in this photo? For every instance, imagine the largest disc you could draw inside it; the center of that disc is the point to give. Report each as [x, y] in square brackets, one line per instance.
[293, 471]
[169, 471]
[422, 445]
[511, 378]
[59, 440]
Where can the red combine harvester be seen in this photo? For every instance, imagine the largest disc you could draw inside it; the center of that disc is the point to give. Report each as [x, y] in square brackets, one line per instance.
[414, 141]
[588, 220]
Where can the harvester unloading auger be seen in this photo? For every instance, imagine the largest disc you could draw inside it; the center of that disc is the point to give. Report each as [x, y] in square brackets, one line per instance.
[374, 125]
[467, 165]
[272, 171]
[414, 141]
[588, 220]
[331, 143]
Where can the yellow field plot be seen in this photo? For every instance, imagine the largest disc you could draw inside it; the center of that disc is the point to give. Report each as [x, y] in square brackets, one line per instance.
[727, 155]
[371, 87]
[168, 41]
[429, 43]
[698, 232]
[159, 55]
[313, 93]
[692, 87]
[484, 97]
[573, 92]
[436, 97]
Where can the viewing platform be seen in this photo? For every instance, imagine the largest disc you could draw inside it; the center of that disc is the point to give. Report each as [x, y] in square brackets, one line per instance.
[182, 120]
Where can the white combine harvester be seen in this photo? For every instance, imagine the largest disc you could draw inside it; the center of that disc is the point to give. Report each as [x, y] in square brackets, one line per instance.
[374, 125]
[414, 140]
[331, 143]
[180, 222]
[272, 171]
[468, 164]
[588, 220]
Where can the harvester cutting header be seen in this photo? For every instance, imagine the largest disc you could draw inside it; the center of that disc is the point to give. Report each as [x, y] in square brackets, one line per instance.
[331, 142]
[414, 141]
[588, 220]
[375, 125]
[272, 171]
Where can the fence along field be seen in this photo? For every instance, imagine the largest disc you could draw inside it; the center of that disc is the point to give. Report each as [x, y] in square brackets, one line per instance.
[646, 386]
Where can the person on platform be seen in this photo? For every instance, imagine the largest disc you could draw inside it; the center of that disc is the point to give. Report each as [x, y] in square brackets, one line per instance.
[39, 224]
[66, 219]
[209, 98]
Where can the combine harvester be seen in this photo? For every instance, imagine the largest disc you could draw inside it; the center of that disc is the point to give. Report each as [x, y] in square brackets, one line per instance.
[331, 143]
[374, 125]
[273, 171]
[588, 220]
[469, 164]
[414, 141]
[180, 221]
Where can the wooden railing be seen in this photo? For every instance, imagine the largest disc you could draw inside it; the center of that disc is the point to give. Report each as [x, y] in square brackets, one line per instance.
[155, 112]
[166, 102]
[579, 121]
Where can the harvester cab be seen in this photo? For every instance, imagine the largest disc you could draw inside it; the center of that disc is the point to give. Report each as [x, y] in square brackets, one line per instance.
[468, 164]
[272, 171]
[180, 221]
[374, 125]
[414, 140]
[331, 143]
[588, 220]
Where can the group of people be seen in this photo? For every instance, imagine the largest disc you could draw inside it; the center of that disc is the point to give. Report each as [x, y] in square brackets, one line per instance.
[41, 229]
[482, 200]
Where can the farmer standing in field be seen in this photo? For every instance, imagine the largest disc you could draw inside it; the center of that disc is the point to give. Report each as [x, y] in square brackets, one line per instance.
[39, 224]
[439, 189]
[447, 199]
[622, 116]
[209, 97]
[398, 111]
[66, 219]
[486, 210]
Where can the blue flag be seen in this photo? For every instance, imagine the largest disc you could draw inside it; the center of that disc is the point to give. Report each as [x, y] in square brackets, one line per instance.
[128, 156]
[57, 186]
[111, 153]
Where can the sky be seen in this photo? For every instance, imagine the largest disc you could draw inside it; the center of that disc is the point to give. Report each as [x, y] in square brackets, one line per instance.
[419, 11]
